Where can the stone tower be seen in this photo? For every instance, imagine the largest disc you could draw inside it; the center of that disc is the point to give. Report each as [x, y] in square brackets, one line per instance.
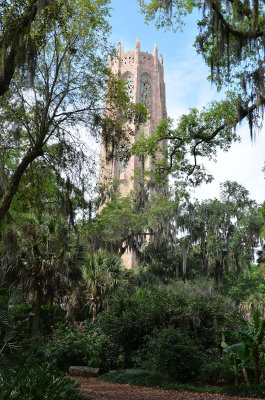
[143, 74]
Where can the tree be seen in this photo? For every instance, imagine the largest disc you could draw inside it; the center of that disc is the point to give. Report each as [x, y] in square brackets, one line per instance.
[39, 255]
[127, 222]
[102, 273]
[188, 143]
[231, 40]
[161, 260]
[19, 39]
[219, 235]
[45, 119]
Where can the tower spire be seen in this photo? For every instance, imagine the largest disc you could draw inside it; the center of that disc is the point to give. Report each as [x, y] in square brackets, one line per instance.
[119, 50]
[137, 46]
[155, 51]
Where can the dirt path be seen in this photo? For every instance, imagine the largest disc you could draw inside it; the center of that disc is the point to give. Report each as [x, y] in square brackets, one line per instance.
[98, 390]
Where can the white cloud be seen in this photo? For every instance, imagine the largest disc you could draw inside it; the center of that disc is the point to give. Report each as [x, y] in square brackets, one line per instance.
[242, 163]
[186, 84]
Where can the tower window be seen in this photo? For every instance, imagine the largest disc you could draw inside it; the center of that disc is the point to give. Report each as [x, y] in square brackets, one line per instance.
[146, 92]
[130, 86]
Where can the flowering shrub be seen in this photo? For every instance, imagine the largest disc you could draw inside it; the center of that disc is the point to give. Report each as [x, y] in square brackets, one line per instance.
[171, 351]
[78, 344]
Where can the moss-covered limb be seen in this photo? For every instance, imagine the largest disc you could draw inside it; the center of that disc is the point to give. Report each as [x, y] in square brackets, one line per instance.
[12, 188]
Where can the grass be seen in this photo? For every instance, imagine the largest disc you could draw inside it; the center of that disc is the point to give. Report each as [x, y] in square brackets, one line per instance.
[140, 377]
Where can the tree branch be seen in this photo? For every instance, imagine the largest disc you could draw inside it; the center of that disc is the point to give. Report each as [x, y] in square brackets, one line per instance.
[15, 180]
[240, 34]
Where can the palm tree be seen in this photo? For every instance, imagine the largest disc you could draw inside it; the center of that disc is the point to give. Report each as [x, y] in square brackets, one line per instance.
[40, 260]
[8, 335]
[102, 273]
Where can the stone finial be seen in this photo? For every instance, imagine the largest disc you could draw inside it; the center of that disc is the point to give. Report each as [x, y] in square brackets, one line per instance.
[110, 60]
[155, 51]
[137, 46]
[161, 59]
[118, 50]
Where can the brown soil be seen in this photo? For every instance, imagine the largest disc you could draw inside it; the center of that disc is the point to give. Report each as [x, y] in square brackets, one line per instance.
[99, 390]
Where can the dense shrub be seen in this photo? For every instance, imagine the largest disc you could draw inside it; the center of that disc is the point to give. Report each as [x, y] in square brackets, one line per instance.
[129, 319]
[38, 382]
[171, 351]
[78, 344]
[247, 284]
[22, 315]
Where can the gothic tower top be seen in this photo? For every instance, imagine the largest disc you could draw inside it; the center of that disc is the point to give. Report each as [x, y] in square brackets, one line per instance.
[144, 76]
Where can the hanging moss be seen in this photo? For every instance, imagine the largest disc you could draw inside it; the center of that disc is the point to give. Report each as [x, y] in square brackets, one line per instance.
[239, 108]
[255, 13]
[243, 83]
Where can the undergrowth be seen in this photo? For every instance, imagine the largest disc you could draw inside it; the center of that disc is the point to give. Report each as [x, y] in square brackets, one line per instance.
[140, 377]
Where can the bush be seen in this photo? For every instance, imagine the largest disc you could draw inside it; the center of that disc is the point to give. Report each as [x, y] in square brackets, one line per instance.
[38, 382]
[79, 344]
[22, 315]
[129, 319]
[173, 352]
[138, 377]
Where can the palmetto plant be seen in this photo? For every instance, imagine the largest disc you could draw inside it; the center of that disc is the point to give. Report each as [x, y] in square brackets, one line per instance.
[42, 256]
[8, 342]
[102, 274]
[250, 344]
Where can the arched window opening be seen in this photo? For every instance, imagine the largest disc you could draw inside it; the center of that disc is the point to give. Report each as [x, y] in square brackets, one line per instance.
[129, 83]
[146, 92]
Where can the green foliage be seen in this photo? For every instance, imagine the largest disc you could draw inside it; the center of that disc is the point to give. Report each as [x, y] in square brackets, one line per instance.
[220, 235]
[69, 82]
[161, 260]
[38, 252]
[125, 221]
[199, 312]
[255, 391]
[79, 344]
[157, 379]
[9, 331]
[171, 351]
[248, 285]
[34, 381]
[102, 274]
[188, 143]
[137, 377]
[250, 346]
[22, 315]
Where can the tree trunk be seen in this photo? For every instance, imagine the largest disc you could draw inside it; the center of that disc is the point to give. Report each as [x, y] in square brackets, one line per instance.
[94, 310]
[37, 307]
[15, 180]
[257, 365]
[184, 250]
[245, 374]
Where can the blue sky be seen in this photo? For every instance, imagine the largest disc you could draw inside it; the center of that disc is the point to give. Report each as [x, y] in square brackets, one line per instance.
[187, 86]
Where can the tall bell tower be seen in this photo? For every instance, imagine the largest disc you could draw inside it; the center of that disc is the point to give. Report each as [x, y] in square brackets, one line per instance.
[143, 74]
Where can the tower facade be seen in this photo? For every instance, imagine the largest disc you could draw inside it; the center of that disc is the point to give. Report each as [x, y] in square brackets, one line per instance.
[143, 74]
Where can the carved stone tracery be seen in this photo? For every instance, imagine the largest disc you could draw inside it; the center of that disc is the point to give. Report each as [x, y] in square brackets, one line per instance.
[129, 83]
[146, 92]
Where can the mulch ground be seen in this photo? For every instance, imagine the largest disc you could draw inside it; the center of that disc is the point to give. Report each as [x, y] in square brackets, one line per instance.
[99, 390]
